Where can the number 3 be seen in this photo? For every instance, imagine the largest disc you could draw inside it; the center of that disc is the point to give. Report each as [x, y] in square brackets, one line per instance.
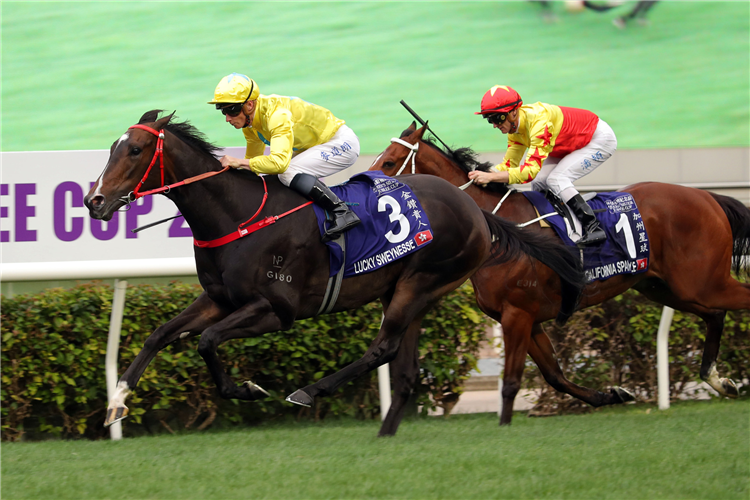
[396, 215]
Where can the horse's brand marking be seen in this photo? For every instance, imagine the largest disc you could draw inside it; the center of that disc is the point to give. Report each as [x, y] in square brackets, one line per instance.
[277, 259]
[279, 276]
[526, 283]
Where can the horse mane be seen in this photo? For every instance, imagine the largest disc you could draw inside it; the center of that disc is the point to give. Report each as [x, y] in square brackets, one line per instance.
[185, 131]
[466, 159]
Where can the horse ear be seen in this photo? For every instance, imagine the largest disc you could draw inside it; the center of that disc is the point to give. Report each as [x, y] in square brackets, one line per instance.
[162, 122]
[422, 130]
[413, 126]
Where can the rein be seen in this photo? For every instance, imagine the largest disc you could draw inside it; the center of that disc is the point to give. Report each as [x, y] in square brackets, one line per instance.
[241, 231]
[159, 155]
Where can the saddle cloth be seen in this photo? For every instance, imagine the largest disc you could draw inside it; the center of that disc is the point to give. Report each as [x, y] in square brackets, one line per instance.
[393, 223]
[626, 249]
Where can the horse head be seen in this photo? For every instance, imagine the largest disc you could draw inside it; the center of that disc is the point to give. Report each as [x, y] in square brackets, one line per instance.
[136, 163]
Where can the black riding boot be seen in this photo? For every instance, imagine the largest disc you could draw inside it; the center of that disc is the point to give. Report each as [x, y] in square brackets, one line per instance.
[592, 231]
[343, 216]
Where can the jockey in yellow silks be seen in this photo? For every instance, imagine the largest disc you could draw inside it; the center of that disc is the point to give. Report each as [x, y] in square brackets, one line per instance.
[563, 145]
[306, 142]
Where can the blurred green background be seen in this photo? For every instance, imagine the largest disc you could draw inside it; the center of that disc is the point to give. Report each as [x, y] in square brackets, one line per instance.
[75, 75]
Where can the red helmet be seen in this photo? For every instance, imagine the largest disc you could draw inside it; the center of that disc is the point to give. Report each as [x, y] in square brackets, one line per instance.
[500, 98]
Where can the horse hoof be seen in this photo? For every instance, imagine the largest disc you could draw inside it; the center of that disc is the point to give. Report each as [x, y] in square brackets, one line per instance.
[730, 388]
[255, 387]
[623, 394]
[300, 397]
[114, 415]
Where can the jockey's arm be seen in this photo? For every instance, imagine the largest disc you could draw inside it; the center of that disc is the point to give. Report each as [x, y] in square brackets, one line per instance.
[282, 142]
[539, 149]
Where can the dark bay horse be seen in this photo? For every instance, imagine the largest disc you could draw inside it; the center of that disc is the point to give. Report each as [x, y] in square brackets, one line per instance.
[694, 235]
[241, 300]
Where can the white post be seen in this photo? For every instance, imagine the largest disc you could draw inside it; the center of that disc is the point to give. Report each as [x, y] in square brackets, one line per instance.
[384, 384]
[384, 388]
[662, 356]
[497, 339]
[113, 346]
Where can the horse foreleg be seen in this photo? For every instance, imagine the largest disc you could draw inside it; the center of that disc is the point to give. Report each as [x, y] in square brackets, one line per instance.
[543, 354]
[405, 371]
[709, 373]
[201, 314]
[516, 337]
[255, 318]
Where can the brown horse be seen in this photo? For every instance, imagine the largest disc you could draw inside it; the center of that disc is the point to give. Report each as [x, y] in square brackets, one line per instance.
[240, 299]
[694, 238]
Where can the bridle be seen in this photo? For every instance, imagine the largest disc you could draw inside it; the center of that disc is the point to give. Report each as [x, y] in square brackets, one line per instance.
[244, 229]
[413, 148]
[159, 156]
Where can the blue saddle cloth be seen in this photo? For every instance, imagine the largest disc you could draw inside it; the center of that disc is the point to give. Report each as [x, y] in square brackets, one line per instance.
[626, 249]
[393, 223]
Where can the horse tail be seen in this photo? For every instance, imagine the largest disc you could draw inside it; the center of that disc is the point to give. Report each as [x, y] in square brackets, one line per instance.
[510, 242]
[739, 220]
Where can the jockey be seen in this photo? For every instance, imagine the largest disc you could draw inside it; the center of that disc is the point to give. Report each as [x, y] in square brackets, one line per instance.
[564, 144]
[306, 141]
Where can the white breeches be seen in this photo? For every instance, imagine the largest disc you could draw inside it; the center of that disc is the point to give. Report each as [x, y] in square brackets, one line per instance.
[325, 159]
[559, 174]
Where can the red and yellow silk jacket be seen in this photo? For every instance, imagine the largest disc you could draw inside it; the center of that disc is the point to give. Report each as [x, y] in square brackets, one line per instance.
[545, 130]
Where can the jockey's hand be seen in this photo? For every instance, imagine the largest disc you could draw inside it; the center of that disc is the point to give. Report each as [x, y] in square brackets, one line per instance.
[231, 161]
[483, 178]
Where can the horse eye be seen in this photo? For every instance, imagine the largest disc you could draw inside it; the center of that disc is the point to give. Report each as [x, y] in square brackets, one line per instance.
[388, 164]
[135, 151]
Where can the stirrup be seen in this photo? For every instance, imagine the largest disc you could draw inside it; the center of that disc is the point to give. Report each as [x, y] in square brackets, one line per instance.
[342, 222]
[592, 237]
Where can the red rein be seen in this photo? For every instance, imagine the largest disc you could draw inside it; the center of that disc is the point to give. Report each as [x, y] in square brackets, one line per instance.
[241, 231]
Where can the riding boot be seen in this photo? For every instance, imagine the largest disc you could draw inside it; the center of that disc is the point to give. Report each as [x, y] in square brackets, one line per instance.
[592, 231]
[343, 217]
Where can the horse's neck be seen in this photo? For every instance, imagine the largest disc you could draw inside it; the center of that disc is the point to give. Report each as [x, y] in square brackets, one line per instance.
[215, 205]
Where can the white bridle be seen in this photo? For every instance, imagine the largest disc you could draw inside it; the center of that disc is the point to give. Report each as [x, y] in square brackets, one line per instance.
[413, 148]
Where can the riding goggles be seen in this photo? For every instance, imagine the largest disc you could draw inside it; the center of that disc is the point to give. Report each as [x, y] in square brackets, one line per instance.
[231, 110]
[497, 118]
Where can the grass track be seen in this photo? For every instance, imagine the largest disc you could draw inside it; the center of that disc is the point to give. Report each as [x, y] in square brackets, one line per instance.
[76, 74]
[694, 450]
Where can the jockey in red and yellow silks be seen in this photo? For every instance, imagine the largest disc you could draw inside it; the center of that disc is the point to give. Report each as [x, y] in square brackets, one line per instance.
[306, 142]
[562, 145]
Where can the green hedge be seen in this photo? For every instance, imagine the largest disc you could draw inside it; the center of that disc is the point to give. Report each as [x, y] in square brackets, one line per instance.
[614, 343]
[54, 345]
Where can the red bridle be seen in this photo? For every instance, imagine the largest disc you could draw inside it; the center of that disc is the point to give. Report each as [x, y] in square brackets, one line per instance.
[159, 155]
[241, 232]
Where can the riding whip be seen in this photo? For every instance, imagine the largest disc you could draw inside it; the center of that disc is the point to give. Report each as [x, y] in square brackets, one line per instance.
[424, 124]
[154, 224]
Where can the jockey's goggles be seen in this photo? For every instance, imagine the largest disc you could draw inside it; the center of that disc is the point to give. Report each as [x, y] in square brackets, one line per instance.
[231, 110]
[497, 118]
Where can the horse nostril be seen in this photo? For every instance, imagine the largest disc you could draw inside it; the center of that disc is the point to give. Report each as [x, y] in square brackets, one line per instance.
[97, 201]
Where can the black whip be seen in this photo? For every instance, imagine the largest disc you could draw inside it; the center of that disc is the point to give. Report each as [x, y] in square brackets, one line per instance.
[424, 124]
[154, 224]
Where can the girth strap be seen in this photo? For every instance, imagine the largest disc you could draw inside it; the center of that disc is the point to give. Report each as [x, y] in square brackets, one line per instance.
[334, 282]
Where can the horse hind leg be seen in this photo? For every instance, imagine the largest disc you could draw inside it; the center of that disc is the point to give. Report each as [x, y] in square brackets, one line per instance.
[658, 291]
[403, 309]
[709, 373]
[405, 370]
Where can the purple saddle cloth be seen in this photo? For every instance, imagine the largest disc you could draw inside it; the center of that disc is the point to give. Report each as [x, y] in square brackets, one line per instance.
[626, 249]
[393, 223]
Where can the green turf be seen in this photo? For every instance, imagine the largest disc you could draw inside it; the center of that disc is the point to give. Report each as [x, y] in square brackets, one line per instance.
[76, 74]
[694, 450]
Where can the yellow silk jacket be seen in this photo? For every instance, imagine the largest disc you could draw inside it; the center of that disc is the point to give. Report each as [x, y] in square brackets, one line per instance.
[545, 130]
[286, 124]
